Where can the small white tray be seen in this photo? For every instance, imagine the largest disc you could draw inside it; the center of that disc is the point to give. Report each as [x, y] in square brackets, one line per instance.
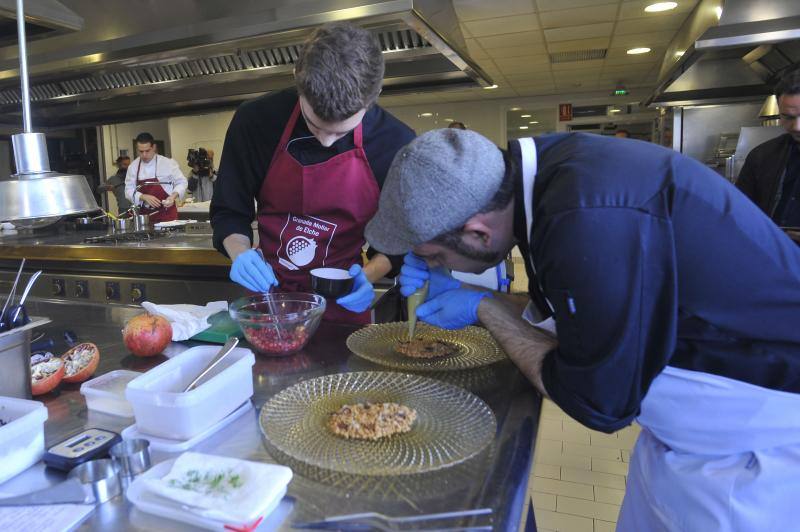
[106, 393]
[153, 504]
[178, 446]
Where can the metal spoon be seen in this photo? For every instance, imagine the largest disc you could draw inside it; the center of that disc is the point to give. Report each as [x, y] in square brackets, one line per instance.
[25, 294]
[13, 289]
[227, 348]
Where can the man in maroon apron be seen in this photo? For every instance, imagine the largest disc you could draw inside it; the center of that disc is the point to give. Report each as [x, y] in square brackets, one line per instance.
[314, 159]
[154, 182]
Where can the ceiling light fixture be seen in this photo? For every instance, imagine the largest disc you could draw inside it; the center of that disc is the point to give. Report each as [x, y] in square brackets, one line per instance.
[523, 127]
[615, 110]
[533, 122]
[637, 51]
[661, 6]
[680, 53]
[718, 10]
[516, 109]
[449, 120]
[524, 116]
[490, 87]
[425, 115]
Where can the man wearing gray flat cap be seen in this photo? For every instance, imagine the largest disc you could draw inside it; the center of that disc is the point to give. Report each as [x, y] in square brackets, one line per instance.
[675, 303]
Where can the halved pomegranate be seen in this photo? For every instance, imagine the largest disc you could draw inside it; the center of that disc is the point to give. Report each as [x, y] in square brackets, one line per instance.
[46, 372]
[80, 362]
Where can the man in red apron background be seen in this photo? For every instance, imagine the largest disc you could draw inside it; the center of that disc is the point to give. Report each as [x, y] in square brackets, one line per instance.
[314, 159]
[154, 182]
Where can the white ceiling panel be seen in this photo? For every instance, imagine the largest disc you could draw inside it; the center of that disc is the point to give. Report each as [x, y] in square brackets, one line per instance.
[475, 50]
[570, 33]
[650, 39]
[518, 51]
[502, 25]
[578, 65]
[642, 25]
[468, 10]
[527, 38]
[512, 65]
[579, 16]
[580, 44]
[553, 5]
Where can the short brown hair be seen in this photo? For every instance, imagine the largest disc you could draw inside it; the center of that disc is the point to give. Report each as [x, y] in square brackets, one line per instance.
[340, 71]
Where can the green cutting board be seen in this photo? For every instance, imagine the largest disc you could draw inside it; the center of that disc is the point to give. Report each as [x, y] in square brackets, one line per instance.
[222, 328]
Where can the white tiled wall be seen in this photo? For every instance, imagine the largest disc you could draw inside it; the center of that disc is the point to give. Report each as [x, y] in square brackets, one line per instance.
[579, 475]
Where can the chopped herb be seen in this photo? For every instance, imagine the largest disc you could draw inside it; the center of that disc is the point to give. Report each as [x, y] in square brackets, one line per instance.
[216, 483]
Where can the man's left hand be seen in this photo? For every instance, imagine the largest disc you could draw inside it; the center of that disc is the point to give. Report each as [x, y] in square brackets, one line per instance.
[453, 309]
[360, 298]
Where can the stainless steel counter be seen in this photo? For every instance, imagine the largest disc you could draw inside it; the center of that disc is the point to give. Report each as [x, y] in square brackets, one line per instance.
[497, 478]
[60, 244]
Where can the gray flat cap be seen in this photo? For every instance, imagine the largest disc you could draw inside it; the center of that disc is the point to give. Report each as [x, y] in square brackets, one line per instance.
[435, 184]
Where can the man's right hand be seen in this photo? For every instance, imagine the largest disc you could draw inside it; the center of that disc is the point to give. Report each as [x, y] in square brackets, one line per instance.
[151, 200]
[250, 270]
[415, 272]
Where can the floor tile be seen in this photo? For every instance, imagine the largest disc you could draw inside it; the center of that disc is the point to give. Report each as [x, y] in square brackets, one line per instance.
[595, 452]
[544, 501]
[565, 460]
[584, 508]
[608, 495]
[546, 471]
[548, 520]
[609, 466]
[594, 478]
[599, 439]
[559, 487]
[604, 526]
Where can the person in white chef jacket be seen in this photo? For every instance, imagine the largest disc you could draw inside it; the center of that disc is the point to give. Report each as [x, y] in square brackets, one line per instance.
[676, 303]
[154, 182]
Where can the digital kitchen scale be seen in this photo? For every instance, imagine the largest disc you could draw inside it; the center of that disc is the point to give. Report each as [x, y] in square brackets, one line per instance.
[82, 447]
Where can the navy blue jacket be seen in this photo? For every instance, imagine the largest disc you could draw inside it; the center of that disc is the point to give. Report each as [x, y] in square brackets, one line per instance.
[651, 259]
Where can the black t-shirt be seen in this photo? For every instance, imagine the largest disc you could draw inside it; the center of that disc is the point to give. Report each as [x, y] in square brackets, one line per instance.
[254, 134]
[787, 213]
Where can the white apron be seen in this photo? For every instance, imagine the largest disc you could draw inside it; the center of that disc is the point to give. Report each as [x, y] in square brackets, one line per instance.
[714, 455]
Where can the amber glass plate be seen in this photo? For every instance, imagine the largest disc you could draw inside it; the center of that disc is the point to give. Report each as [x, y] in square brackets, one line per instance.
[452, 424]
[475, 347]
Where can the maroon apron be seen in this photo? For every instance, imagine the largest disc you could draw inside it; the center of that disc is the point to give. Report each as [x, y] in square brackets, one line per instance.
[153, 187]
[314, 216]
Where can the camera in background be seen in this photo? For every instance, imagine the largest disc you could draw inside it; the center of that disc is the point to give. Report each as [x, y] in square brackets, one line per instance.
[199, 161]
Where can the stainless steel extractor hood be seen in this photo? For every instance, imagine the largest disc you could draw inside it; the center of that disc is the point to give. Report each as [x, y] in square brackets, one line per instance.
[138, 59]
[730, 51]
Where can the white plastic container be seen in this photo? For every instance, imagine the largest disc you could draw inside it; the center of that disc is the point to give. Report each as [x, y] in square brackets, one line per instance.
[22, 437]
[162, 410]
[106, 393]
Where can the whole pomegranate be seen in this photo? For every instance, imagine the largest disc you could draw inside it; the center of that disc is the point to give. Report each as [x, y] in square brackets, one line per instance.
[146, 335]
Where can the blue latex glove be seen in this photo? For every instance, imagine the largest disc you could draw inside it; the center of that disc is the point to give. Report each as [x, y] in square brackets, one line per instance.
[454, 309]
[415, 272]
[253, 272]
[360, 298]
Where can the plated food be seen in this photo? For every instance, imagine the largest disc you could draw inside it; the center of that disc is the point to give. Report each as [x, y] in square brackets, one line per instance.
[376, 423]
[432, 349]
[371, 421]
[425, 348]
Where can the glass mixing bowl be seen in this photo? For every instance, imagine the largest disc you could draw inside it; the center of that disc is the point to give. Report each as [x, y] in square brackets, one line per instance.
[278, 324]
